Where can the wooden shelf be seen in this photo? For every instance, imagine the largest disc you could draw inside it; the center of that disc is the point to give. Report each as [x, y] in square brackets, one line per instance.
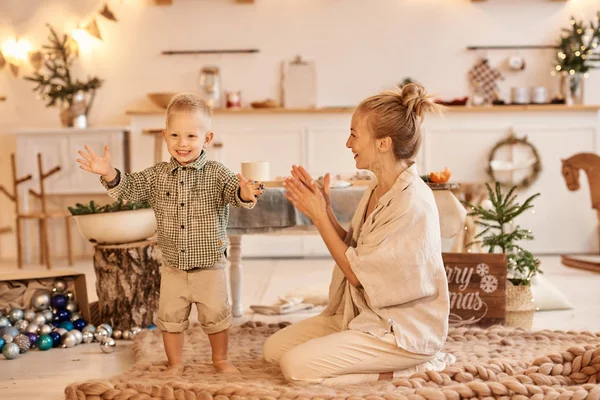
[225, 51]
[338, 110]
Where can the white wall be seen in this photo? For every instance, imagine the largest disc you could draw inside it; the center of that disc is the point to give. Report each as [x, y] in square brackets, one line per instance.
[360, 46]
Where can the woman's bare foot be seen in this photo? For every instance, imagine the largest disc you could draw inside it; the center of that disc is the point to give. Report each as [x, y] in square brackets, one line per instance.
[226, 367]
[173, 370]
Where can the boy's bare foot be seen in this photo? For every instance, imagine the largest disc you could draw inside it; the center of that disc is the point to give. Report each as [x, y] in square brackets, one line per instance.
[226, 367]
[172, 370]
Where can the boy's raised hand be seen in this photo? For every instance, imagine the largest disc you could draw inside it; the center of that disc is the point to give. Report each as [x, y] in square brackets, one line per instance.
[249, 190]
[96, 164]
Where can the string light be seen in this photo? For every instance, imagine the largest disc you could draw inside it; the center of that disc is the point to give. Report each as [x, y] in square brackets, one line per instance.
[572, 72]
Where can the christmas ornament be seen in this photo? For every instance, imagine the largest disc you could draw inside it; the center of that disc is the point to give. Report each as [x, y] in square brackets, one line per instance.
[15, 314]
[79, 324]
[39, 319]
[29, 315]
[152, 327]
[69, 339]
[484, 77]
[23, 342]
[61, 331]
[75, 316]
[108, 328]
[41, 300]
[45, 342]
[2, 343]
[107, 13]
[126, 334]
[68, 325]
[32, 328]
[72, 307]
[117, 334]
[59, 301]
[63, 315]
[70, 295]
[21, 325]
[89, 328]
[7, 338]
[33, 338]
[45, 329]
[48, 315]
[88, 337]
[134, 331]
[100, 333]
[55, 336]
[4, 322]
[107, 345]
[9, 330]
[10, 351]
[59, 286]
[78, 335]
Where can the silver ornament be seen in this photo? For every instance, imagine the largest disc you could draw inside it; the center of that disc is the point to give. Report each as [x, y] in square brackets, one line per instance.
[107, 345]
[21, 325]
[78, 335]
[45, 329]
[48, 315]
[9, 330]
[100, 333]
[69, 339]
[134, 331]
[39, 319]
[41, 300]
[61, 331]
[70, 295]
[117, 334]
[23, 342]
[72, 306]
[88, 337]
[59, 286]
[29, 315]
[4, 322]
[33, 328]
[89, 328]
[126, 334]
[8, 338]
[10, 351]
[15, 314]
[75, 316]
[108, 328]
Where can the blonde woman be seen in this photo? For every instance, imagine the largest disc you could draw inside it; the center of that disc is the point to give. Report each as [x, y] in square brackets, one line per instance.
[388, 298]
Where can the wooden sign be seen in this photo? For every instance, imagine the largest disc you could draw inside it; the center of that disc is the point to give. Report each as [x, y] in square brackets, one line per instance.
[477, 285]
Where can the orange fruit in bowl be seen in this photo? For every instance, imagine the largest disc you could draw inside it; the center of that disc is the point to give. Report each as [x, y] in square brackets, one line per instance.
[440, 177]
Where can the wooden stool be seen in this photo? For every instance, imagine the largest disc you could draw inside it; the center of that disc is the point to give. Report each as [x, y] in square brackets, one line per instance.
[42, 216]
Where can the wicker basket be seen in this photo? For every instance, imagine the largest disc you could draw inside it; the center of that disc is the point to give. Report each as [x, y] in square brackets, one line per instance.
[520, 306]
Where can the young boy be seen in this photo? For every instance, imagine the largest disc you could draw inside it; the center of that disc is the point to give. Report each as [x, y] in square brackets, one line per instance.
[190, 197]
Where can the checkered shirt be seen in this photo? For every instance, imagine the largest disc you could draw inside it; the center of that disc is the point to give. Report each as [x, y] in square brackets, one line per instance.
[486, 76]
[191, 204]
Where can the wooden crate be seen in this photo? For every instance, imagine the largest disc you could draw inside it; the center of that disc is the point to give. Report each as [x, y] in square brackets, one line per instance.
[477, 284]
[74, 279]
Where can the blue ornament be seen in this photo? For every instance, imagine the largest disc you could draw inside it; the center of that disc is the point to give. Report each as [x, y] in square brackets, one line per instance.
[45, 342]
[33, 338]
[62, 315]
[59, 301]
[151, 327]
[55, 339]
[2, 343]
[79, 324]
[68, 325]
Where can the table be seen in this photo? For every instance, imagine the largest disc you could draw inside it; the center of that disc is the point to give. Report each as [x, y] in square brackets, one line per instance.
[274, 214]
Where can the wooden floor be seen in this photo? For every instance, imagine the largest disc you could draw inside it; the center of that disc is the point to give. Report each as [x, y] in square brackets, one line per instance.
[44, 375]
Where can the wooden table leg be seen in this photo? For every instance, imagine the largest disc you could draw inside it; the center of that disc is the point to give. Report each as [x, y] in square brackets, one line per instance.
[235, 275]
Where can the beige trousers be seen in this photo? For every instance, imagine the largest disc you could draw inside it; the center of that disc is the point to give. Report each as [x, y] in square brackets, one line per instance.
[315, 351]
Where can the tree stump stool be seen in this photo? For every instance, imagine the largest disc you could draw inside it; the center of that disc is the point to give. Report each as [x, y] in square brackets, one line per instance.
[128, 283]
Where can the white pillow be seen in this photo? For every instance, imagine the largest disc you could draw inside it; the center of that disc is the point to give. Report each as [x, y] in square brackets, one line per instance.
[546, 296]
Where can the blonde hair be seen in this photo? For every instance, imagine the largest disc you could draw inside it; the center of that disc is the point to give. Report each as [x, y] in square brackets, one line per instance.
[399, 114]
[192, 103]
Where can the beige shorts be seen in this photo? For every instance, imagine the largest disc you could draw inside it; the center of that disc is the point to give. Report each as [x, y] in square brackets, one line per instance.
[207, 288]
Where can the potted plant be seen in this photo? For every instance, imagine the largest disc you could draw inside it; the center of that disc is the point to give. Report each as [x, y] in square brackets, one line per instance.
[115, 223]
[577, 54]
[500, 235]
[56, 84]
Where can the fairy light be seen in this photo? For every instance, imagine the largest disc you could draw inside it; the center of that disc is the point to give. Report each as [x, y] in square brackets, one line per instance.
[572, 72]
[83, 39]
[577, 53]
[15, 50]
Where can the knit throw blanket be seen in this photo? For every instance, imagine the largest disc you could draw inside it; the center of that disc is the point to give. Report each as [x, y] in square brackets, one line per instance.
[497, 362]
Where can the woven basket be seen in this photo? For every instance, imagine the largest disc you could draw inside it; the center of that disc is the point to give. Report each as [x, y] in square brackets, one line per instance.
[520, 306]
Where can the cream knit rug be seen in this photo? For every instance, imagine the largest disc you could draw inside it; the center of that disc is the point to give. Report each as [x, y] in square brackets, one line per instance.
[498, 362]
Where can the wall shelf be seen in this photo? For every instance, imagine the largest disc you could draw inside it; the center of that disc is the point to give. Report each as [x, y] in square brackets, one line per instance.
[513, 47]
[225, 51]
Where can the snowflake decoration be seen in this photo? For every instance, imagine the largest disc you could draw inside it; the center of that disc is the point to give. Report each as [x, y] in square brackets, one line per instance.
[483, 269]
[489, 284]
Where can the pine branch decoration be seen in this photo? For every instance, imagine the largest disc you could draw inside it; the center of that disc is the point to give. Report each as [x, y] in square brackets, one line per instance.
[579, 46]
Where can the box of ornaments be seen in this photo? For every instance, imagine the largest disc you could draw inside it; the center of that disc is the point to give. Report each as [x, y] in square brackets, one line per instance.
[49, 309]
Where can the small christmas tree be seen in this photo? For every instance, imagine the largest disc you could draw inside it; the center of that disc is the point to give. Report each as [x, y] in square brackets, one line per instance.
[496, 216]
[57, 84]
[578, 47]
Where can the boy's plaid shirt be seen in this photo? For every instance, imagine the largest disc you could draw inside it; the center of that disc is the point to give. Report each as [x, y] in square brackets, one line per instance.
[191, 207]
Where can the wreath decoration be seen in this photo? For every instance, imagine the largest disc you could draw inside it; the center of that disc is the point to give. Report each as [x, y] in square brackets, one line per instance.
[536, 168]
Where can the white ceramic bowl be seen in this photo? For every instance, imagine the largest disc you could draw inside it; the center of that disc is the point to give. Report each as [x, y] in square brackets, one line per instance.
[117, 227]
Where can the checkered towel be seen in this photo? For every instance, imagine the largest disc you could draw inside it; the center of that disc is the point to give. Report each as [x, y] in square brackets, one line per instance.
[484, 76]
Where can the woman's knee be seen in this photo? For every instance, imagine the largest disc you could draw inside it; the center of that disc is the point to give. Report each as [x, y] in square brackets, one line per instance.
[273, 349]
[297, 366]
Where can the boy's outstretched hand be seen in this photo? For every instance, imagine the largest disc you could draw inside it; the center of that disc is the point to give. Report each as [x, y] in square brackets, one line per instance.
[97, 164]
[249, 190]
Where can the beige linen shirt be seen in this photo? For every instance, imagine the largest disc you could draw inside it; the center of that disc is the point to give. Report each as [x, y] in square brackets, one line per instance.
[396, 255]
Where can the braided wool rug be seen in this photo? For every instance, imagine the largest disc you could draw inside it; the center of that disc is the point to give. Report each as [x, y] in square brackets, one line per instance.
[497, 362]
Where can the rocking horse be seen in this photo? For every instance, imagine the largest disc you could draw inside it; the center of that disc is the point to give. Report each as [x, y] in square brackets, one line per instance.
[590, 164]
